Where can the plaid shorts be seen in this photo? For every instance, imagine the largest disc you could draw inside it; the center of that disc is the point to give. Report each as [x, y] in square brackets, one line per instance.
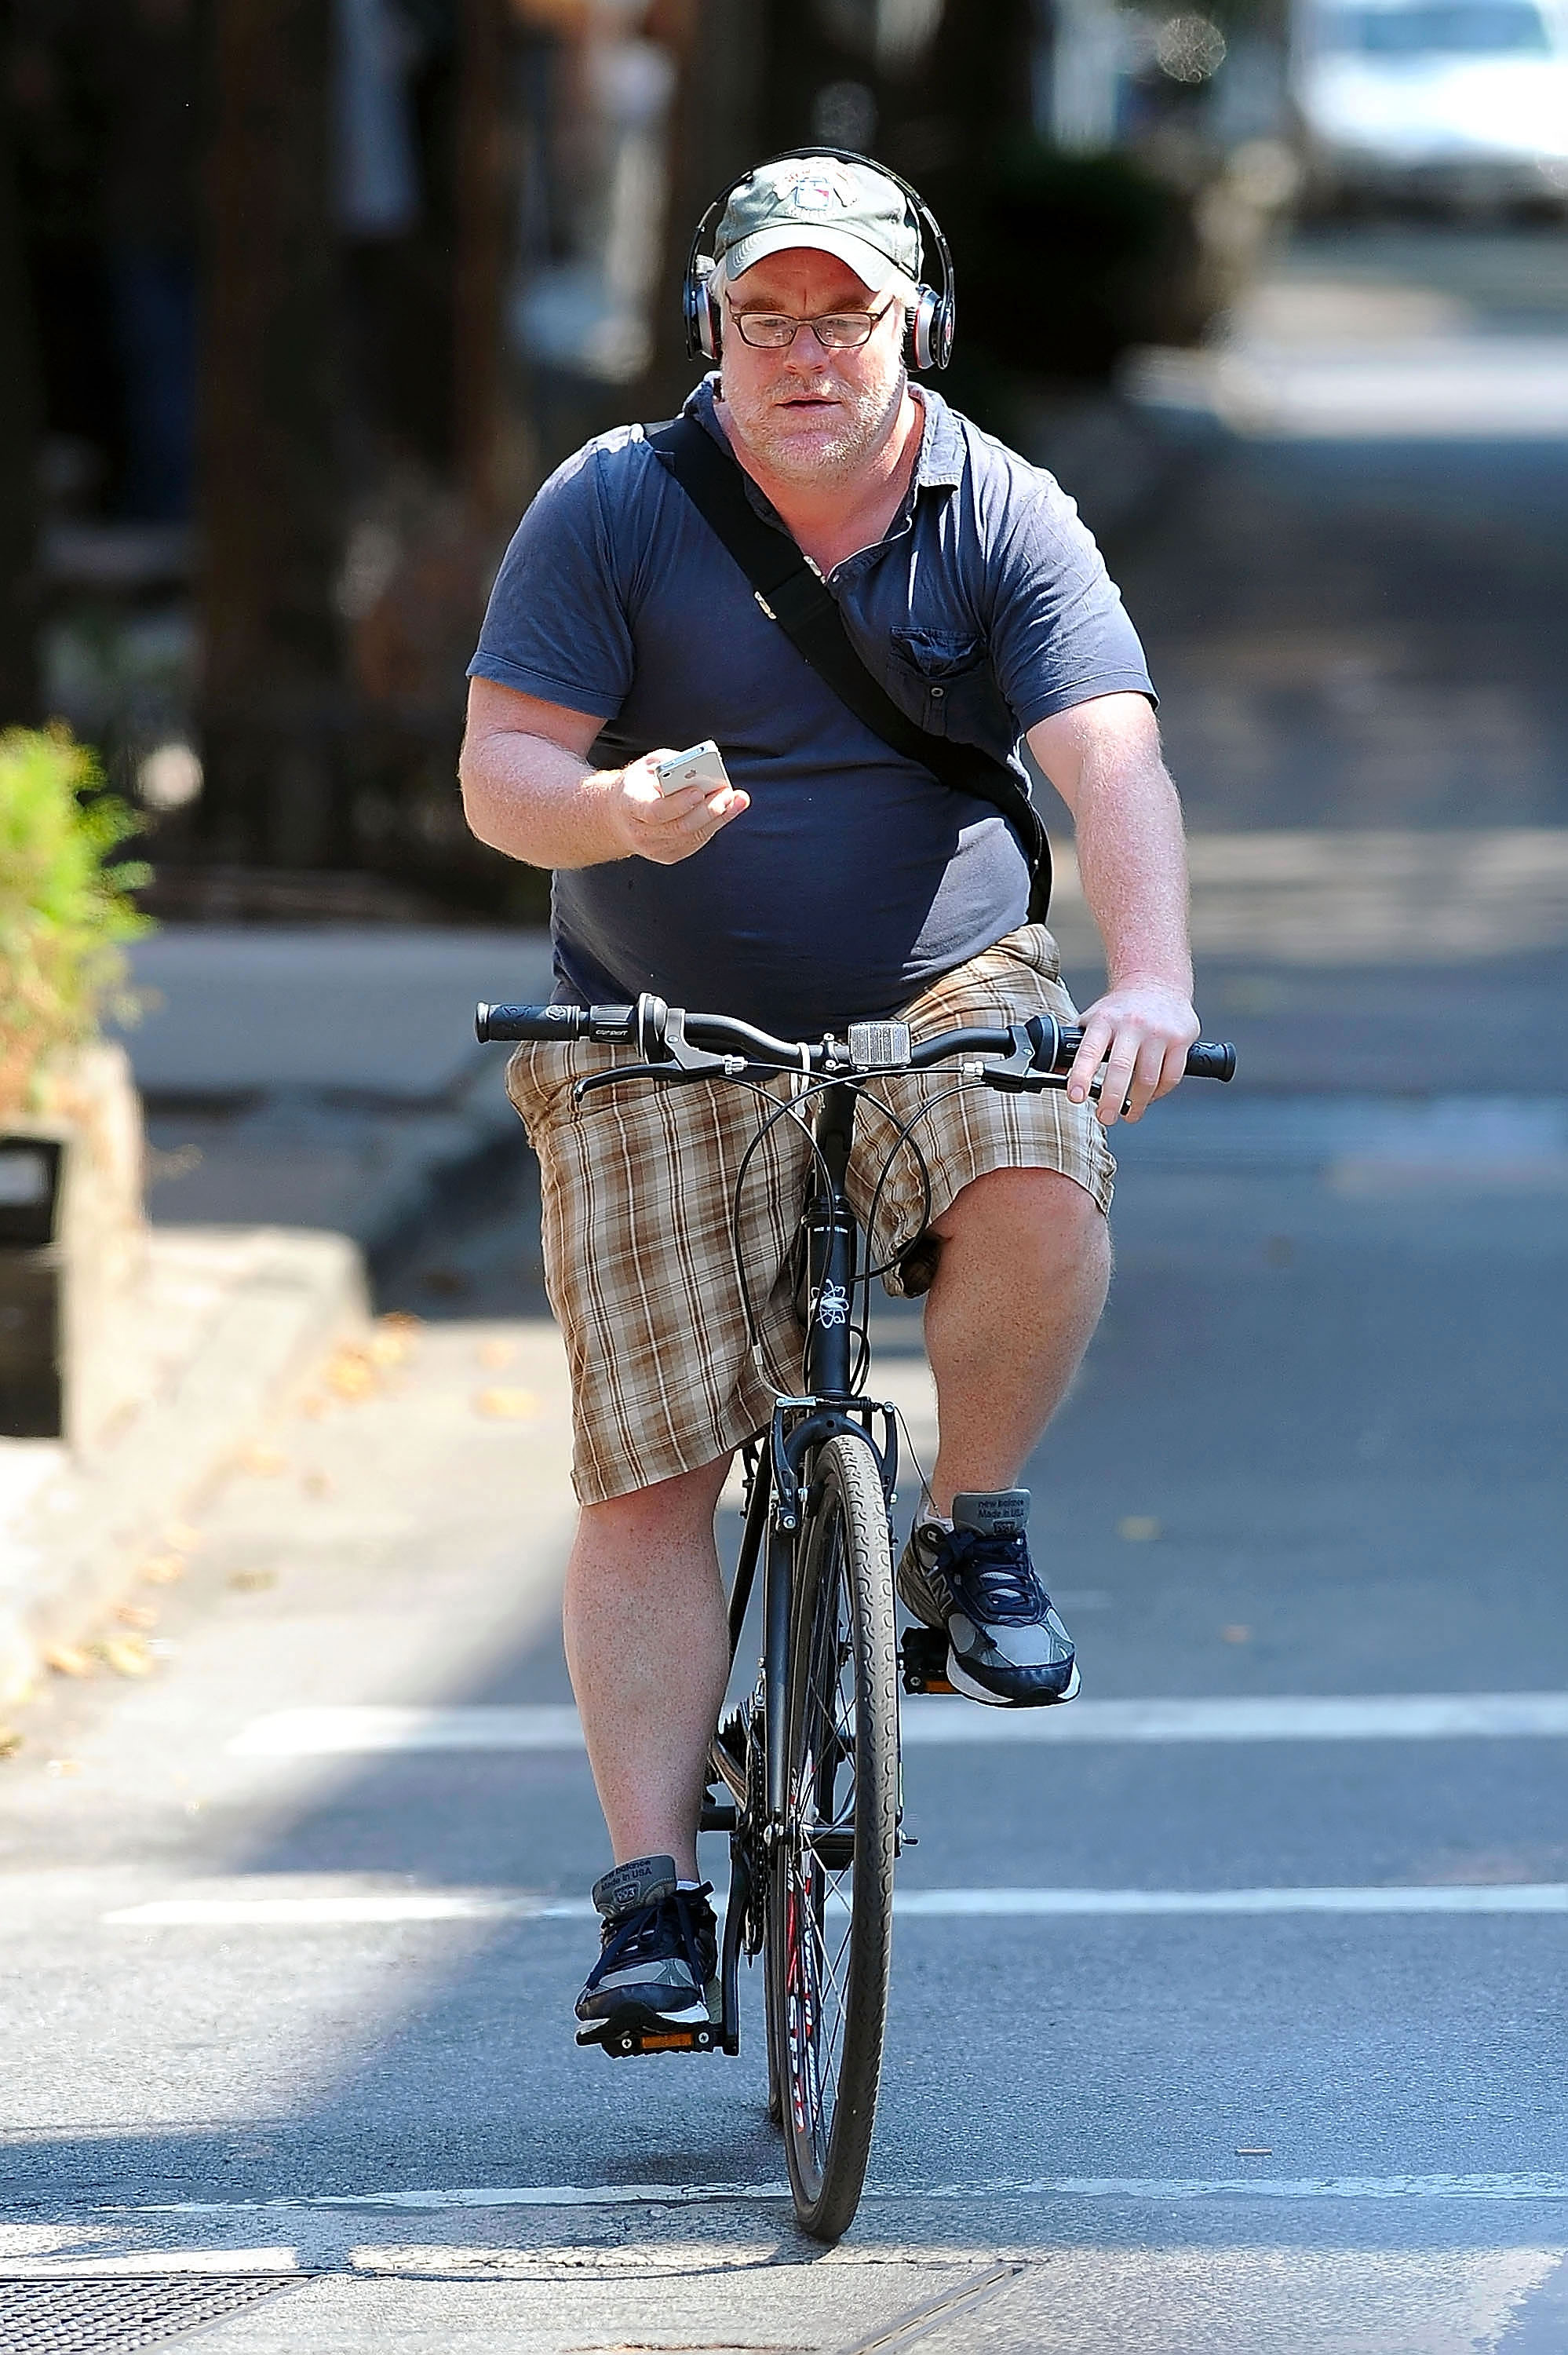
[641, 1234]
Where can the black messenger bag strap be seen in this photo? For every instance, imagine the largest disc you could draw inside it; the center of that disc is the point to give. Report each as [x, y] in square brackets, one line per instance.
[791, 593]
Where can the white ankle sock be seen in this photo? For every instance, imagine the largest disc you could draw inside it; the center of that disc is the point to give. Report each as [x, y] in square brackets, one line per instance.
[937, 1520]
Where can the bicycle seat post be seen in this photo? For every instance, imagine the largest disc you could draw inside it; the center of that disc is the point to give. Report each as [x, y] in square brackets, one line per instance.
[830, 1231]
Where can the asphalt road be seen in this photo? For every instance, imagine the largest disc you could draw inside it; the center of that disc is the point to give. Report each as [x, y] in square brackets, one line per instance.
[1229, 2031]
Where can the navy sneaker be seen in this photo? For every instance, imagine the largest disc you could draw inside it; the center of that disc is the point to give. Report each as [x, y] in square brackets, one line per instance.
[976, 1585]
[657, 1951]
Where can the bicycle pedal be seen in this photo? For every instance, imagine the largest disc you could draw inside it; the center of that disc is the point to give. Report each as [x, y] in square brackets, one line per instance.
[630, 2043]
[923, 1654]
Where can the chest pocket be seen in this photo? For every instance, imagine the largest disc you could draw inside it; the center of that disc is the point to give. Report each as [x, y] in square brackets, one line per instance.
[954, 693]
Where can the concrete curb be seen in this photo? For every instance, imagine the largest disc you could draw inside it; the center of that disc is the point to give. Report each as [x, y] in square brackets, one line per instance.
[254, 1309]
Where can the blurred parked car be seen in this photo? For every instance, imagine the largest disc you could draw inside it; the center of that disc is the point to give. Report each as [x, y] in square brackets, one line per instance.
[1461, 102]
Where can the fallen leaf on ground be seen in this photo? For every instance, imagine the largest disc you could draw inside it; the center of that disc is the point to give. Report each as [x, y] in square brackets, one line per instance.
[1138, 1528]
[10, 1741]
[252, 1582]
[390, 1345]
[263, 1461]
[400, 1320]
[68, 1660]
[126, 1654]
[136, 1614]
[163, 1568]
[182, 1536]
[496, 1353]
[507, 1406]
[349, 1374]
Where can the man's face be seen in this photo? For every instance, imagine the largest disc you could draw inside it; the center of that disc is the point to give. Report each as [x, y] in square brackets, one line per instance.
[809, 414]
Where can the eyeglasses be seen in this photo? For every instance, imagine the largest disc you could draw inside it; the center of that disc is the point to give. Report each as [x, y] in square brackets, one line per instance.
[836, 331]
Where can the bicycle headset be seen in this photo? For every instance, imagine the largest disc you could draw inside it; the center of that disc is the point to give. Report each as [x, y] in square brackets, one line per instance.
[928, 337]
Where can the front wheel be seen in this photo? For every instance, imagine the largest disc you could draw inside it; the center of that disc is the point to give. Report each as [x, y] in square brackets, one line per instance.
[830, 1916]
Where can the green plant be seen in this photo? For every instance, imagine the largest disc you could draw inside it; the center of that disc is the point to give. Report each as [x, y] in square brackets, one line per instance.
[65, 909]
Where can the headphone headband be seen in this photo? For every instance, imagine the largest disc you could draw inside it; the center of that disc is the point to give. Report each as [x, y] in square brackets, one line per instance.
[930, 342]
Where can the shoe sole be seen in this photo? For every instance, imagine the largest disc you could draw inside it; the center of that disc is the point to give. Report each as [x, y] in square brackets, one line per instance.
[959, 1677]
[645, 2017]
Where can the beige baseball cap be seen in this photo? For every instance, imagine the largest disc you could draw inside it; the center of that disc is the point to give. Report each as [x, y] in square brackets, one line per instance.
[850, 210]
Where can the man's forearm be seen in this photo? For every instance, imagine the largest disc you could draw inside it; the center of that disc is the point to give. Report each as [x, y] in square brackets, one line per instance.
[1133, 861]
[537, 802]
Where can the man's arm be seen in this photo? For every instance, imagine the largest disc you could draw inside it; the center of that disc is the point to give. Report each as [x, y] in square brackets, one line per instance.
[1102, 757]
[528, 790]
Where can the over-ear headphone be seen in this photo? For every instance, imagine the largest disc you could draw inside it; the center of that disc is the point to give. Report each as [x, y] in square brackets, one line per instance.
[929, 341]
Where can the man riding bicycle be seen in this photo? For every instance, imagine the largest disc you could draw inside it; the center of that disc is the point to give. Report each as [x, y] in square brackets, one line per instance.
[833, 879]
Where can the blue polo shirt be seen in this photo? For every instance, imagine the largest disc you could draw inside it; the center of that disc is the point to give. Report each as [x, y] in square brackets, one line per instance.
[855, 878]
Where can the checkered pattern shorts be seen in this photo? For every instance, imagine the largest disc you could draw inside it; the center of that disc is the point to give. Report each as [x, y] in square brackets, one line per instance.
[641, 1238]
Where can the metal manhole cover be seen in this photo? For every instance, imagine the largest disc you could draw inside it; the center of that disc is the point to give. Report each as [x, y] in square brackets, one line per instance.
[114, 2315]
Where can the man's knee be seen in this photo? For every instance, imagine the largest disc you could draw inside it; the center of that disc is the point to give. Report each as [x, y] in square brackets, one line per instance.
[669, 1512]
[1014, 1209]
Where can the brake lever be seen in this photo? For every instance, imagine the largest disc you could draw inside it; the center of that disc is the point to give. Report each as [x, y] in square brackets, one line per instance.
[1030, 1065]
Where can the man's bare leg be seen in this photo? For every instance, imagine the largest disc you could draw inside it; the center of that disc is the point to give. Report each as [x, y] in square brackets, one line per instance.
[648, 1647]
[1023, 1276]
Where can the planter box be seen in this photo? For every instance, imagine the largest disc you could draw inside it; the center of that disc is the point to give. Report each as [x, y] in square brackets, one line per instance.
[73, 1244]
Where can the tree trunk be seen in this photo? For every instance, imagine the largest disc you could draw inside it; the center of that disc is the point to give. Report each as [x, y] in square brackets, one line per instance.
[480, 259]
[718, 46]
[18, 459]
[273, 700]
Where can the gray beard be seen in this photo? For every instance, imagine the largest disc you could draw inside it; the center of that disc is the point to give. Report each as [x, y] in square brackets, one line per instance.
[869, 420]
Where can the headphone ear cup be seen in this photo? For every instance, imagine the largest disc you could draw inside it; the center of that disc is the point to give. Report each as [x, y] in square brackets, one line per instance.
[929, 343]
[701, 314]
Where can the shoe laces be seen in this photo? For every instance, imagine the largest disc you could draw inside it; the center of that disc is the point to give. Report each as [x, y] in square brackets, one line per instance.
[643, 1934]
[993, 1579]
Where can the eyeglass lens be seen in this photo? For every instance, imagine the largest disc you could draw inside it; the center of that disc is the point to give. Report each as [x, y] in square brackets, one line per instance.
[836, 331]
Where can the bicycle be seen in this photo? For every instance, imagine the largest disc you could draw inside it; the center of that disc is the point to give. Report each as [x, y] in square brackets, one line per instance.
[808, 1770]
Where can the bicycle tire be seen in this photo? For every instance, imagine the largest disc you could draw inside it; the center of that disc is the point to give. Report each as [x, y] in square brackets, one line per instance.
[830, 1923]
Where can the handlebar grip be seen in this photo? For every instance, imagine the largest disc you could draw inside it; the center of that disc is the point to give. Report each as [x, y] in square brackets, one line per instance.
[529, 1022]
[1208, 1061]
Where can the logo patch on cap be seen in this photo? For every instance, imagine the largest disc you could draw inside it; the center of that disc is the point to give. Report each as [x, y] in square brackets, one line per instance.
[813, 191]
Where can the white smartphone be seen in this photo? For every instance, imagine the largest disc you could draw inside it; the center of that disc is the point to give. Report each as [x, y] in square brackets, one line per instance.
[703, 765]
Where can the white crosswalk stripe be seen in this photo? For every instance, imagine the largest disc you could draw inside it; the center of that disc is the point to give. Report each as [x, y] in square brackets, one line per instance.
[931, 1720]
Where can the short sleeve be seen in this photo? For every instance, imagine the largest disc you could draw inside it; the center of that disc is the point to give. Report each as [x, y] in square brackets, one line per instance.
[1058, 631]
[557, 627]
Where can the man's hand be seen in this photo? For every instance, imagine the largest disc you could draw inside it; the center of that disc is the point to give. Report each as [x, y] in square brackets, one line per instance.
[1140, 1033]
[668, 827]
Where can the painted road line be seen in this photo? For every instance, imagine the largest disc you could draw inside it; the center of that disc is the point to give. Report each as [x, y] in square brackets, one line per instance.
[1512, 2187]
[284, 2262]
[374, 1906]
[358, 1732]
[1494, 1897]
[933, 1720]
[910, 1905]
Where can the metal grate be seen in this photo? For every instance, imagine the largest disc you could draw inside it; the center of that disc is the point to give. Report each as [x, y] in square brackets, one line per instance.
[115, 2314]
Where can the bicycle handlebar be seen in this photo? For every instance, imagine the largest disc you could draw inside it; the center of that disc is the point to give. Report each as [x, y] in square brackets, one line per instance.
[650, 1026]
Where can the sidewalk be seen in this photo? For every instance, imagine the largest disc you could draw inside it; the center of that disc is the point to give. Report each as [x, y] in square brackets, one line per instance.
[314, 1098]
